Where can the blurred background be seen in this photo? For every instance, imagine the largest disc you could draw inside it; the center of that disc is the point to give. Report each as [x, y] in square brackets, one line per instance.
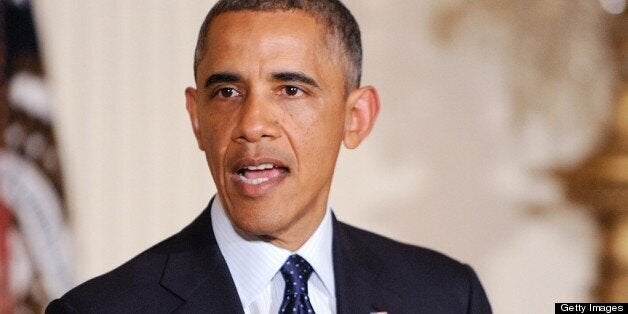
[502, 141]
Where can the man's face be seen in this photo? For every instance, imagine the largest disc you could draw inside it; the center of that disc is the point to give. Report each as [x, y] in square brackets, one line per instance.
[269, 113]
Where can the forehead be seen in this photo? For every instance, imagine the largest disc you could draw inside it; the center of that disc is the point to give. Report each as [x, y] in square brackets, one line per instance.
[278, 21]
[240, 37]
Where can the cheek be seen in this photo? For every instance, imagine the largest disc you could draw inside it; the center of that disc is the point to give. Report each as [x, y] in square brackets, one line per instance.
[216, 137]
[316, 133]
[318, 119]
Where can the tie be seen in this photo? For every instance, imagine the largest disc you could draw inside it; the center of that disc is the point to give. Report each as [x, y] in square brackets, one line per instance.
[296, 271]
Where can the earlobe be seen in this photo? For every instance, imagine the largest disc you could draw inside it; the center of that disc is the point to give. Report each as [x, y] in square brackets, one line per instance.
[191, 106]
[362, 111]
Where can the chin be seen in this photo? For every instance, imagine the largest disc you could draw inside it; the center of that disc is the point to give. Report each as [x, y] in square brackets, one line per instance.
[258, 223]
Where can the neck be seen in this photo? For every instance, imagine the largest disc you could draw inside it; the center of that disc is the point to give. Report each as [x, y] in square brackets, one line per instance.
[296, 235]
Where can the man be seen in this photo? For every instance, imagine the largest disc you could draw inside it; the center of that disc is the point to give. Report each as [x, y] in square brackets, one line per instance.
[277, 93]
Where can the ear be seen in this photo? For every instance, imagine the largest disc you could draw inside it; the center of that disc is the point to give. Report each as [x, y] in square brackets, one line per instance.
[362, 110]
[191, 105]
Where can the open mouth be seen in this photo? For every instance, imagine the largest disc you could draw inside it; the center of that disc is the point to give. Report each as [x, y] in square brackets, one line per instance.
[258, 174]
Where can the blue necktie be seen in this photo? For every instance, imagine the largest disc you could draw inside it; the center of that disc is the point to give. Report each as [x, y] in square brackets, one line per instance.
[296, 271]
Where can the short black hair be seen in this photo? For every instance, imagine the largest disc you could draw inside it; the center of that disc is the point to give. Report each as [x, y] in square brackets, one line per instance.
[338, 20]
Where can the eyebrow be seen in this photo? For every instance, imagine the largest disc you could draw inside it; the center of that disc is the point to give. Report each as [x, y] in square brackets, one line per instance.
[294, 77]
[222, 77]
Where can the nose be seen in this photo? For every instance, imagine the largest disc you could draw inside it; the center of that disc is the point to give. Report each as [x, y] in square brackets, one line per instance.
[258, 120]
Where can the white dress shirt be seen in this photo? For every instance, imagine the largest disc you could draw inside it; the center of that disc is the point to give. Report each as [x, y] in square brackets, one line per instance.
[254, 265]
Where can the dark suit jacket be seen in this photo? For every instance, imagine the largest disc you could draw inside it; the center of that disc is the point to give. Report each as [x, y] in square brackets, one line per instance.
[186, 273]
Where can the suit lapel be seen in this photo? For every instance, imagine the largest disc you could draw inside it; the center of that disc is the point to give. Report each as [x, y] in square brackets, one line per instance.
[197, 273]
[357, 271]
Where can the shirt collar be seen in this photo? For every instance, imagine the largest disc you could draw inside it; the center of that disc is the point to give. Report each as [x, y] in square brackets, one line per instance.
[251, 275]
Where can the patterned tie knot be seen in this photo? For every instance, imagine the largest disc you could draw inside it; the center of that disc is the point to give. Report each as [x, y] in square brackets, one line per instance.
[296, 271]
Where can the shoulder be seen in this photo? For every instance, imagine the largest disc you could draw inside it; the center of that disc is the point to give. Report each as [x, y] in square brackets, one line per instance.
[132, 287]
[140, 285]
[422, 273]
[395, 254]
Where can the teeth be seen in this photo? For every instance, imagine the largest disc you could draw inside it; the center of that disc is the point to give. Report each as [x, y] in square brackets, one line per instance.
[256, 181]
[260, 167]
[253, 181]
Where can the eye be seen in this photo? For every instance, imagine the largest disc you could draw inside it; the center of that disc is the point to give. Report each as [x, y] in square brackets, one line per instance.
[227, 92]
[292, 90]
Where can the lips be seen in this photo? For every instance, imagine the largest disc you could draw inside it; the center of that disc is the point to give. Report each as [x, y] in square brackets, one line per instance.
[258, 174]
[256, 177]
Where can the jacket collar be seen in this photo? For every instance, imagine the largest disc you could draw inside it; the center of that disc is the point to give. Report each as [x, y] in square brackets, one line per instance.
[360, 286]
[197, 273]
